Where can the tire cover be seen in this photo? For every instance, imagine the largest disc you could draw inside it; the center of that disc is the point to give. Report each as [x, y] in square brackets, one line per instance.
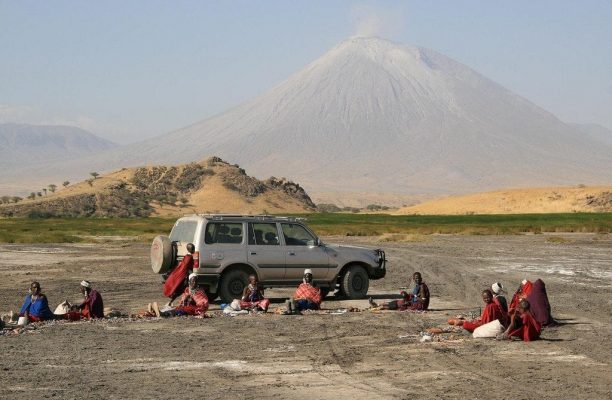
[161, 254]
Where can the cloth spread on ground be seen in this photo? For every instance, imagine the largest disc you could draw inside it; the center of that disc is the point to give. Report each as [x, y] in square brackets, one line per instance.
[308, 292]
[193, 302]
[93, 306]
[529, 329]
[37, 308]
[175, 283]
[491, 312]
[539, 305]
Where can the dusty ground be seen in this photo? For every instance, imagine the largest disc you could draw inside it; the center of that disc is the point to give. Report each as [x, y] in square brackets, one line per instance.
[355, 355]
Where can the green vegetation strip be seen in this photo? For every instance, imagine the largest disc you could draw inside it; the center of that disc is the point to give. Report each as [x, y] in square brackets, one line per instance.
[71, 230]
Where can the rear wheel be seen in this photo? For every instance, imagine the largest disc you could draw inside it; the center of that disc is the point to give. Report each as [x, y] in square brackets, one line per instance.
[355, 282]
[232, 284]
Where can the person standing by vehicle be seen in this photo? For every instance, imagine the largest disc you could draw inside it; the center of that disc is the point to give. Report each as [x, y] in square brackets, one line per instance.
[177, 280]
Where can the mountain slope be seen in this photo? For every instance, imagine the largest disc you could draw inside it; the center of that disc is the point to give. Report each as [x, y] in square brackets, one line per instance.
[595, 132]
[520, 201]
[375, 116]
[22, 144]
[211, 185]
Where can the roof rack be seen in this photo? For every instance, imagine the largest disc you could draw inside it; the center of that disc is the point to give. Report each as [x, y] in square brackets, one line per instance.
[221, 217]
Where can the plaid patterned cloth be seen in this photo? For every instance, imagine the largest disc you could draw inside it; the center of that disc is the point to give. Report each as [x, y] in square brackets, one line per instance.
[195, 304]
[308, 292]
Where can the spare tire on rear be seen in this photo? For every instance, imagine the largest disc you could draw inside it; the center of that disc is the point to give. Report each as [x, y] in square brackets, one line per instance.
[162, 254]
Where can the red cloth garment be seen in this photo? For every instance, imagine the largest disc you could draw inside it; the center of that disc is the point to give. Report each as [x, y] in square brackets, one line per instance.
[530, 329]
[308, 292]
[491, 312]
[193, 303]
[93, 306]
[176, 280]
[539, 305]
[420, 304]
[262, 304]
[520, 294]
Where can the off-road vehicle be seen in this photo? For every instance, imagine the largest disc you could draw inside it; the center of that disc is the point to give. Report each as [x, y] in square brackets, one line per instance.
[276, 249]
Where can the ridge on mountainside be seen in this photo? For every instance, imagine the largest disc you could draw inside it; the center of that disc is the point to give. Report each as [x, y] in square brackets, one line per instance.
[520, 201]
[23, 144]
[212, 185]
[371, 115]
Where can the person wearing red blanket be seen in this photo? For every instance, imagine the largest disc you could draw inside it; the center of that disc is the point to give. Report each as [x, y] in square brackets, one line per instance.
[193, 301]
[523, 324]
[521, 293]
[306, 297]
[92, 306]
[253, 296]
[175, 284]
[491, 312]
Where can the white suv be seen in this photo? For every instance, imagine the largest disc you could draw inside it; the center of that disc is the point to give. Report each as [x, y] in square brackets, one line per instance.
[276, 249]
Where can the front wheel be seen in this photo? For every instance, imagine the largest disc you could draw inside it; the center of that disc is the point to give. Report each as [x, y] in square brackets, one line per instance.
[355, 283]
[232, 284]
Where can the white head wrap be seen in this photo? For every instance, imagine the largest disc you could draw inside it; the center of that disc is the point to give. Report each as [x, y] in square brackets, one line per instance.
[193, 275]
[497, 288]
[86, 284]
[308, 271]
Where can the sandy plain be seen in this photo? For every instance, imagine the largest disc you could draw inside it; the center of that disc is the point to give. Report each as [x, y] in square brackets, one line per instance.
[359, 355]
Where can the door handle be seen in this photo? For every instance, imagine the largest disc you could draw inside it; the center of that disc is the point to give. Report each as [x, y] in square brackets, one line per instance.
[291, 253]
[253, 253]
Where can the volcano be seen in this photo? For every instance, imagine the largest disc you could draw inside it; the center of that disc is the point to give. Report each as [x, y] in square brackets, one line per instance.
[371, 115]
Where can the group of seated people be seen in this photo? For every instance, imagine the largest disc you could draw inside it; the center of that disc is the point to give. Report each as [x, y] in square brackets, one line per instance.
[35, 307]
[528, 311]
[523, 318]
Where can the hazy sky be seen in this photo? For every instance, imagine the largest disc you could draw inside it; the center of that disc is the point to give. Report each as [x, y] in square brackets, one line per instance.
[133, 69]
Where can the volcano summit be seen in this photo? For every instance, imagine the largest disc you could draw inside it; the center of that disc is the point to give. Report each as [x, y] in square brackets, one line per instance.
[374, 116]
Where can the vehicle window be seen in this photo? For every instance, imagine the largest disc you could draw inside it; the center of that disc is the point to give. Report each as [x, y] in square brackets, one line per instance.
[297, 235]
[223, 232]
[263, 234]
[184, 231]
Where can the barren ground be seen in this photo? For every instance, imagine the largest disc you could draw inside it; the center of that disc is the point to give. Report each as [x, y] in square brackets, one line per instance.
[355, 355]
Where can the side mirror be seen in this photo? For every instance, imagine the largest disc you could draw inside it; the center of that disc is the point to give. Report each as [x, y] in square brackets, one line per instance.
[318, 242]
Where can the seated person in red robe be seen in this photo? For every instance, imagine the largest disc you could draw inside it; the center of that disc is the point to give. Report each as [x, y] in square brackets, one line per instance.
[193, 301]
[306, 297]
[92, 306]
[491, 312]
[175, 284]
[523, 325]
[498, 296]
[417, 299]
[253, 296]
[539, 304]
[521, 293]
[36, 306]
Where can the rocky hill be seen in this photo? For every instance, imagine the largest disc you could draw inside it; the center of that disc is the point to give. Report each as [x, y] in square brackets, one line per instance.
[212, 185]
[520, 201]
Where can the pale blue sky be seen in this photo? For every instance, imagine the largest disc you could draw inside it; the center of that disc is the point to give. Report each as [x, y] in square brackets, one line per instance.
[127, 70]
